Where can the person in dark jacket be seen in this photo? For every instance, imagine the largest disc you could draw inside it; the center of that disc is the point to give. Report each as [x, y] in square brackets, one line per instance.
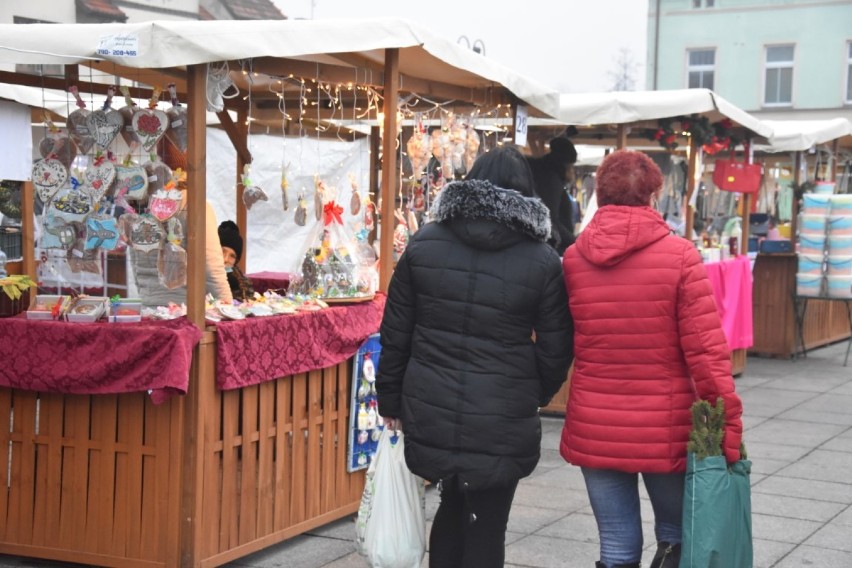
[649, 343]
[553, 172]
[476, 336]
[232, 250]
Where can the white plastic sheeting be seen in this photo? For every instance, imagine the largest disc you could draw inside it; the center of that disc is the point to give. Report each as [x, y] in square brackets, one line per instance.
[274, 241]
[800, 135]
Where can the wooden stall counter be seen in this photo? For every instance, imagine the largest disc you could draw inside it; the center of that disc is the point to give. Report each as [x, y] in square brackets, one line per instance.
[774, 307]
[253, 454]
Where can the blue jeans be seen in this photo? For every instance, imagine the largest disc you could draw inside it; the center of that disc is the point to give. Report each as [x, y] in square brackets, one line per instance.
[614, 496]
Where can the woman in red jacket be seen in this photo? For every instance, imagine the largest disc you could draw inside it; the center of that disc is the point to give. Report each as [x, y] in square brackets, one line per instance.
[648, 342]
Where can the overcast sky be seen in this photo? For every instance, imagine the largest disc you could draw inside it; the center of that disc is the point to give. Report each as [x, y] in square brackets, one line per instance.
[572, 45]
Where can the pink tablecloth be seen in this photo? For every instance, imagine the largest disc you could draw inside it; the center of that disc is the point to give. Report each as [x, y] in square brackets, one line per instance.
[732, 284]
[255, 350]
[263, 281]
[97, 358]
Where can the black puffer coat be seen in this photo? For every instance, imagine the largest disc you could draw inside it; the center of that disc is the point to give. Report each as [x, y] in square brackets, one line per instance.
[459, 365]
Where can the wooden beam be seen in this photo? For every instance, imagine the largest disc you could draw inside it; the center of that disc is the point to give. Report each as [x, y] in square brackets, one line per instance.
[389, 167]
[153, 77]
[236, 133]
[691, 186]
[62, 85]
[197, 194]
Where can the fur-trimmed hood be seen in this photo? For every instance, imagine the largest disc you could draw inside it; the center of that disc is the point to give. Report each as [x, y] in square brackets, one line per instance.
[491, 216]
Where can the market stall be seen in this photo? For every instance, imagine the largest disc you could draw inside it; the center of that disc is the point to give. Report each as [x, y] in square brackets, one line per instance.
[255, 452]
[688, 124]
[792, 311]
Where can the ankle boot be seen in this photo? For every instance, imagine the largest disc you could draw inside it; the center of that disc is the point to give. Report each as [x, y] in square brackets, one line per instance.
[634, 565]
[667, 556]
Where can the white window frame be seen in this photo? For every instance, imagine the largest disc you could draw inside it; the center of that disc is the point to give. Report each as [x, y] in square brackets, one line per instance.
[847, 92]
[690, 68]
[778, 65]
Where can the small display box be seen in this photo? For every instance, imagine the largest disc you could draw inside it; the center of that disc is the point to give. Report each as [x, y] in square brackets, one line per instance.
[87, 310]
[125, 310]
[47, 307]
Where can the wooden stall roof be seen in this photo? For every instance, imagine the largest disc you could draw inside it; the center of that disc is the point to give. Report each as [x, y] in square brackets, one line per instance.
[352, 49]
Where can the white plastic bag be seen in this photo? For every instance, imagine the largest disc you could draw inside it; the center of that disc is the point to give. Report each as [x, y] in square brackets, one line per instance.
[391, 526]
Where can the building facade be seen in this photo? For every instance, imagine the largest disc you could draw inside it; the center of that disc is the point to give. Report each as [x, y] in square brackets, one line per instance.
[780, 59]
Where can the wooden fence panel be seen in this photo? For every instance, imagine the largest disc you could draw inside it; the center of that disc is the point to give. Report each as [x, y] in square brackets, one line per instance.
[83, 483]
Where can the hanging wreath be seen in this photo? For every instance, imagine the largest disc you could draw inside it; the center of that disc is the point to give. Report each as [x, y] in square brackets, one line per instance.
[712, 138]
[10, 198]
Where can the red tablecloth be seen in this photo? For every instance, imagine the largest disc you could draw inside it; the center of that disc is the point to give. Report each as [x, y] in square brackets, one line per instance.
[255, 350]
[732, 285]
[97, 358]
[263, 281]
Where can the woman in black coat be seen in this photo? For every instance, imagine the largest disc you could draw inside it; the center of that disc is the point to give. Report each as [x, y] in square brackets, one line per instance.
[476, 336]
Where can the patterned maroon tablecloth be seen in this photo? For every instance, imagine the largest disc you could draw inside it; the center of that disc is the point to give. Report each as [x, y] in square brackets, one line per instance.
[255, 350]
[97, 358]
[263, 281]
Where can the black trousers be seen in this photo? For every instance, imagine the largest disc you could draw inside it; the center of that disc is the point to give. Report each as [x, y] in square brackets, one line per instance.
[459, 541]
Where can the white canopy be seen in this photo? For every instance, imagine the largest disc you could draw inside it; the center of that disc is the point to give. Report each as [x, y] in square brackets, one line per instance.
[796, 135]
[623, 107]
[164, 44]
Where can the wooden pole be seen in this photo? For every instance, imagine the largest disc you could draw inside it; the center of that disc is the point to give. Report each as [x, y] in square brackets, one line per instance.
[794, 210]
[832, 161]
[621, 137]
[196, 193]
[242, 215]
[375, 167]
[747, 199]
[389, 165]
[28, 230]
[691, 186]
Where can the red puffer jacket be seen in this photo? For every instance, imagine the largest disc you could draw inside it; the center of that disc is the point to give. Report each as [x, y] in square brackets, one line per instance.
[648, 342]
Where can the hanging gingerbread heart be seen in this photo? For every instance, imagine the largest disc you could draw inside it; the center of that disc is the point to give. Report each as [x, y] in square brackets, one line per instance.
[49, 175]
[71, 204]
[131, 181]
[251, 193]
[146, 233]
[150, 124]
[126, 112]
[159, 174]
[105, 123]
[100, 176]
[165, 204]
[57, 144]
[177, 131]
[77, 127]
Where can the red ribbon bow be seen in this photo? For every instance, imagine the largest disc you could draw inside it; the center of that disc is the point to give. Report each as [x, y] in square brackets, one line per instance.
[331, 213]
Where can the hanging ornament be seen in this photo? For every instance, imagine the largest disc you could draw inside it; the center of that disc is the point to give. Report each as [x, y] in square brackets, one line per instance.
[100, 176]
[301, 210]
[369, 216]
[159, 174]
[105, 123]
[126, 112]
[77, 127]
[70, 203]
[319, 196]
[355, 202]
[150, 124]
[131, 181]
[165, 204]
[178, 123]
[146, 233]
[58, 233]
[57, 144]
[10, 199]
[101, 232]
[284, 185]
[171, 261]
[48, 176]
[251, 193]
